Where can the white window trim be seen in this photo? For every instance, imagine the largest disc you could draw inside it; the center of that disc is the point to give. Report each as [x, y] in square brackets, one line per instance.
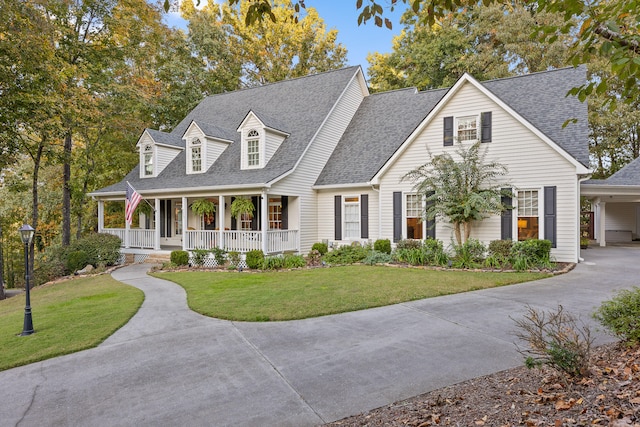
[344, 216]
[144, 150]
[245, 149]
[456, 120]
[202, 146]
[540, 191]
[423, 224]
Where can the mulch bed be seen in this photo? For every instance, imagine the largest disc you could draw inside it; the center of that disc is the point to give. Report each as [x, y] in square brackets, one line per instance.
[609, 396]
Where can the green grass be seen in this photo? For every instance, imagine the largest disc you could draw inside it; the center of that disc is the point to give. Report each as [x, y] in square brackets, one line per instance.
[67, 317]
[317, 292]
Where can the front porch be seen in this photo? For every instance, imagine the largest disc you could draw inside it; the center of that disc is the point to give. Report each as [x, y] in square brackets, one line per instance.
[165, 224]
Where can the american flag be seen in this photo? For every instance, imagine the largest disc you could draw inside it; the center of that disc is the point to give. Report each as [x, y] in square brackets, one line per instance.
[133, 198]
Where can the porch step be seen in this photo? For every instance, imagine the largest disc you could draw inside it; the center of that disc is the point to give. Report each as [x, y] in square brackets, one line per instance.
[157, 258]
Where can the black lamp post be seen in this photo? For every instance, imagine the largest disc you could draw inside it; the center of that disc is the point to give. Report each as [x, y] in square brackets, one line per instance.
[26, 234]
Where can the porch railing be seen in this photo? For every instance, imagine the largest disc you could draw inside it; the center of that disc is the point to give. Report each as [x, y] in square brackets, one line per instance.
[278, 241]
[138, 238]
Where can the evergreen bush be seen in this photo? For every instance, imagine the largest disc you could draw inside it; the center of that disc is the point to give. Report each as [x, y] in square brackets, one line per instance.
[621, 315]
[255, 259]
[180, 257]
[76, 260]
[101, 248]
[320, 247]
[382, 245]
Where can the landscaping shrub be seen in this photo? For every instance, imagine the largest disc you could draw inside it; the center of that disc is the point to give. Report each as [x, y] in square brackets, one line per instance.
[219, 255]
[199, 256]
[434, 252]
[254, 259]
[382, 245]
[621, 315]
[320, 247]
[501, 249]
[314, 258]
[409, 244]
[180, 257]
[555, 340]
[76, 260]
[234, 258]
[50, 264]
[101, 248]
[531, 253]
[294, 261]
[411, 256]
[273, 263]
[377, 257]
[348, 254]
[470, 254]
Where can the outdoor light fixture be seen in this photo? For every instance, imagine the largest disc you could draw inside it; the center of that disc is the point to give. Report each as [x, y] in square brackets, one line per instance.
[26, 234]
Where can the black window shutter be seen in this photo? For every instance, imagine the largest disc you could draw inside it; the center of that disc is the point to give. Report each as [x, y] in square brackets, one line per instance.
[430, 223]
[234, 220]
[163, 214]
[364, 216]
[285, 212]
[168, 219]
[448, 131]
[506, 220]
[550, 215]
[485, 121]
[397, 216]
[337, 223]
[255, 220]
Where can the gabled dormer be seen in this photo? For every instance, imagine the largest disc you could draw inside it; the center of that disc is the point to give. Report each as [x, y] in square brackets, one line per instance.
[260, 138]
[157, 150]
[204, 144]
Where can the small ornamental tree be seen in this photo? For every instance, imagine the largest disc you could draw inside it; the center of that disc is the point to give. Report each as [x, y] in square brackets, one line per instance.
[460, 190]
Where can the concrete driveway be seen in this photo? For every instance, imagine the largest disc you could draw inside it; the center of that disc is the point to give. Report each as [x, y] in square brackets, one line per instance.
[170, 366]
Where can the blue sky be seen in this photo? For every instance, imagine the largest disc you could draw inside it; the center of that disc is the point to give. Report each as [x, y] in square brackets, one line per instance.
[343, 16]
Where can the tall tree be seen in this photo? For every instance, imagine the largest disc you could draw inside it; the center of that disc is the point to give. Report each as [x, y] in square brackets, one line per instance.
[460, 189]
[488, 42]
[270, 51]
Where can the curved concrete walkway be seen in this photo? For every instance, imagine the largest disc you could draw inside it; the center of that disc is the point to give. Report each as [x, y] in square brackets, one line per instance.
[170, 366]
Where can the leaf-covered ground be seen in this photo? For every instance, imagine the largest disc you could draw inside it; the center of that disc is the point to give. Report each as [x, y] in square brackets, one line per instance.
[610, 396]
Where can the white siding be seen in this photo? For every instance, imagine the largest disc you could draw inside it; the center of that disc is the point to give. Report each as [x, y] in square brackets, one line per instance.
[300, 181]
[531, 162]
[621, 217]
[164, 156]
[272, 143]
[326, 213]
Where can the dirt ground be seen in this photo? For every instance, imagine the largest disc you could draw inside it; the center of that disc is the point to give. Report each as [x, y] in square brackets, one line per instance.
[609, 396]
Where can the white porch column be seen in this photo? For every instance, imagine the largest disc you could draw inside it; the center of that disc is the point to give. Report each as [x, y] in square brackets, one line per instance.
[185, 219]
[221, 221]
[127, 229]
[156, 238]
[602, 224]
[264, 219]
[100, 216]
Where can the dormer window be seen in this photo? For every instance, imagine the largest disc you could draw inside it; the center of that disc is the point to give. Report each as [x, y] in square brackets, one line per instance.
[147, 159]
[195, 153]
[252, 150]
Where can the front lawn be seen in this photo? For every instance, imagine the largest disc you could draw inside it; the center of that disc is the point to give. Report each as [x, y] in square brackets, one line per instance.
[67, 317]
[299, 294]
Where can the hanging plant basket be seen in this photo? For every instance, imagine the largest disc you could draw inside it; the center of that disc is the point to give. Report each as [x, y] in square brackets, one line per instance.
[203, 207]
[241, 206]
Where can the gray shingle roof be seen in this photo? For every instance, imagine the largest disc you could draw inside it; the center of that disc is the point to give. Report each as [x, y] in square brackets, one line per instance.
[300, 106]
[384, 121]
[218, 132]
[541, 99]
[381, 124]
[628, 175]
[165, 138]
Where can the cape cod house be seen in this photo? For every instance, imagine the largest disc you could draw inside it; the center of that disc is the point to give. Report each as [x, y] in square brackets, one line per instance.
[322, 159]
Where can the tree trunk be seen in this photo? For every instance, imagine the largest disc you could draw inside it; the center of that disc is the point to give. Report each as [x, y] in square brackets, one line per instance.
[66, 191]
[467, 231]
[34, 211]
[457, 232]
[2, 294]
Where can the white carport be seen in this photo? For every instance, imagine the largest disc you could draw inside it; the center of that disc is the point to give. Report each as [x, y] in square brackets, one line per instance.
[616, 204]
